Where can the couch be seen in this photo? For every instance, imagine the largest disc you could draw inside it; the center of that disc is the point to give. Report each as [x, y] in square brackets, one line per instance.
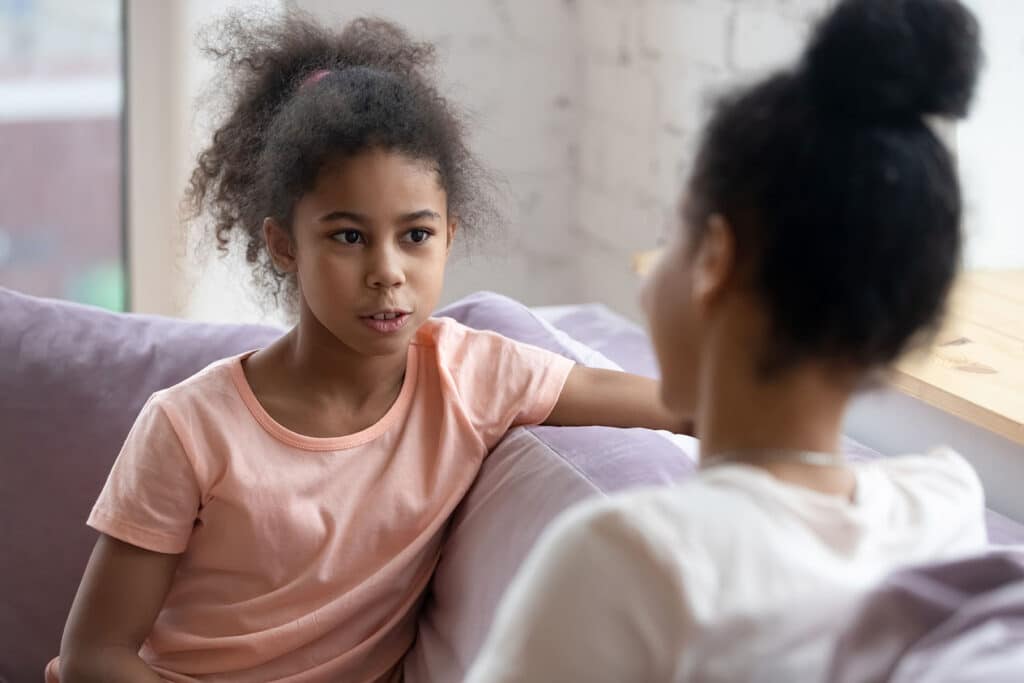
[73, 378]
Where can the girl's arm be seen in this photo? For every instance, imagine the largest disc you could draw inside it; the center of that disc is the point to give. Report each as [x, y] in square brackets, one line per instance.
[119, 598]
[614, 399]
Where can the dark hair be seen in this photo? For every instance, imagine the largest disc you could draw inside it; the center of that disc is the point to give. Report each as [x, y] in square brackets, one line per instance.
[845, 204]
[283, 125]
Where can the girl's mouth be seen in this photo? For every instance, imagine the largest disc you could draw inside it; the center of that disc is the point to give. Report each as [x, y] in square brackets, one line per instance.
[386, 322]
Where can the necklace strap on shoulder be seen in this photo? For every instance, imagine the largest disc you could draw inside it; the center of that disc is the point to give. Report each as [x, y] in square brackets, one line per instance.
[816, 458]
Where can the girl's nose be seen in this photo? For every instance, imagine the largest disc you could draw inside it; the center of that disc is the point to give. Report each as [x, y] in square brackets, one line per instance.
[385, 269]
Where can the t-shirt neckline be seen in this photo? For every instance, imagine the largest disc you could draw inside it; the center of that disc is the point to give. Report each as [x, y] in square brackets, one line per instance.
[315, 443]
[765, 479]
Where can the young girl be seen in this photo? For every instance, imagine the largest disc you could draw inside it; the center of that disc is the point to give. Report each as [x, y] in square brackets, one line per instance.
[278, 515]
[821, 232]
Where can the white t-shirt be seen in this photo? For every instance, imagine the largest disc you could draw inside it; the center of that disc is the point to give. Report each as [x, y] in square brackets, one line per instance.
[731, 576]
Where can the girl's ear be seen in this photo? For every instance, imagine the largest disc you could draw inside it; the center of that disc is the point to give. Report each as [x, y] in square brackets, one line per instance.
[279, 245]
[715, 262]
[453, 227]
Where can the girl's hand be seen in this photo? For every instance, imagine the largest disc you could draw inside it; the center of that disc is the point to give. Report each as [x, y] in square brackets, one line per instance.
[614, 399]
[119, 598]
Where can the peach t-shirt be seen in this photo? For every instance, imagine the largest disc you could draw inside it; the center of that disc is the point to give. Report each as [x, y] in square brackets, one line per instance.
[305, 559]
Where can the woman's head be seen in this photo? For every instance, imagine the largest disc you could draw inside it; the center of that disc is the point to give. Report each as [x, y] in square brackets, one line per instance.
[823, 201]
[313, 111]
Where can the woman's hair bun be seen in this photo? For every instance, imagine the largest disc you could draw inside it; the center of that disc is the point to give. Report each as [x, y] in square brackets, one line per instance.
[893, 60]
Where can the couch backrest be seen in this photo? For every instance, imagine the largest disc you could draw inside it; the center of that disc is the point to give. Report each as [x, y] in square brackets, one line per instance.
[72, 380]
[950, 622]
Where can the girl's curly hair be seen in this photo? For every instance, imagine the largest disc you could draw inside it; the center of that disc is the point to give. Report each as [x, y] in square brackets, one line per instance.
[282, 126]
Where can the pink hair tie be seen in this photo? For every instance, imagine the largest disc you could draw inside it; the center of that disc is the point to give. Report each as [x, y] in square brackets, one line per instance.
[314, 78]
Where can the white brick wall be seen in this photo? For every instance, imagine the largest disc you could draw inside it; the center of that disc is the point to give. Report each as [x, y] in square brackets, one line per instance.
[590, 110]
[989, 144]
[762, 38]
[692, 32]
[650, 70]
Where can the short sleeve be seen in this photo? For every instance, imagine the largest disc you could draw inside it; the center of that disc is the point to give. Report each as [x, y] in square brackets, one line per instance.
[941, 485]
[593, 602]
[501, 383]
[151, 498]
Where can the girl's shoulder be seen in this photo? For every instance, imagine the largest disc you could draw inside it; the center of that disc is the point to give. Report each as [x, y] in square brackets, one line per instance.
[448, 333]
[457, 346]
[444, 331]
[218, 384]
[453, 343]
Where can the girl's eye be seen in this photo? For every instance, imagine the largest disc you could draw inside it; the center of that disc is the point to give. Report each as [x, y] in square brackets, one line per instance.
[418, 235]
[349, 237]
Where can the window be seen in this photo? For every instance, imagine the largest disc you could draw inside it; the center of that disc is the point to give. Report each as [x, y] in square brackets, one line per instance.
[990, 143]
[61, 102]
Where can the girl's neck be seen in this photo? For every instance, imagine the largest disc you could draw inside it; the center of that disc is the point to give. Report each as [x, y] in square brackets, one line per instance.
[329, 369]
[317, 387]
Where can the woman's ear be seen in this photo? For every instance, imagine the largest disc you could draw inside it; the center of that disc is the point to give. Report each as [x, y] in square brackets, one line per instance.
[714, 263]
[279, 245]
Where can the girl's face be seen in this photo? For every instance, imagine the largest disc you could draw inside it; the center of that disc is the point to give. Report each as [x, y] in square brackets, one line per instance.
[369, 246]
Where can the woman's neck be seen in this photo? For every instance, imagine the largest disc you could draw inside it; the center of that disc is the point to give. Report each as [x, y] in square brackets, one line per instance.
[741, 415]
[801, 411]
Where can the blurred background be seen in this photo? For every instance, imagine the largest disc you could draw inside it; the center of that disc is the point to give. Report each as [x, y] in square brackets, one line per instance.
[588, 109]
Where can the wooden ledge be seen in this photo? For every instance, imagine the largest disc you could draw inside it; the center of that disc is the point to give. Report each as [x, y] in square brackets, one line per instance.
[975, 368]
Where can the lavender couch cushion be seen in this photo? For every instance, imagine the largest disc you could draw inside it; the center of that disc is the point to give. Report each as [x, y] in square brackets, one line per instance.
[72, 380]
[952, 622]
[606, 332]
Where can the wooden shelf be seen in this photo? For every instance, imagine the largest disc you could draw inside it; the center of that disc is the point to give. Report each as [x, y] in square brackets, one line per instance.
[975, 368]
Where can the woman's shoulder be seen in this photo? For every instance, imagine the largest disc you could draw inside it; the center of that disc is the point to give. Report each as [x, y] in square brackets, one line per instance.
[648, 524]
[941, 472]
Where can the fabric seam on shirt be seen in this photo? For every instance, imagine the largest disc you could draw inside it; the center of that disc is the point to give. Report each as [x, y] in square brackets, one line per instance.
[177, 429]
